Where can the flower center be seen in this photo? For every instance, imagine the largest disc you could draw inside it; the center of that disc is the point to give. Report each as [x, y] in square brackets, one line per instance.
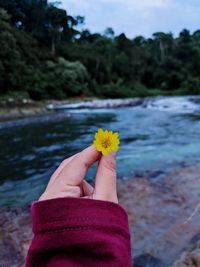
[106, 142]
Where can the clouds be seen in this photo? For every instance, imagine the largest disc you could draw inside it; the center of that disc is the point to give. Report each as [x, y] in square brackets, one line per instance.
[129, 3]
[137, 17]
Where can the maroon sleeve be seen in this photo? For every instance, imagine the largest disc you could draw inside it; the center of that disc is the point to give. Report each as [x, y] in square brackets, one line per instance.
[75, 232]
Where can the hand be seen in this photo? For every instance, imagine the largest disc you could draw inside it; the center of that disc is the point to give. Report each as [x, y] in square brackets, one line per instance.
[68, 179]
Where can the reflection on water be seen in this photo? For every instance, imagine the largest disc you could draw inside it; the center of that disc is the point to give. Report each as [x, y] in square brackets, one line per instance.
[32, 148]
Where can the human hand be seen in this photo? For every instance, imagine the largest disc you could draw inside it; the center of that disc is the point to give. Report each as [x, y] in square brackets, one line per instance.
[69, 179]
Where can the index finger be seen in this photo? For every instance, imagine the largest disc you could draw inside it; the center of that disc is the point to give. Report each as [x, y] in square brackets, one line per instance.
[59, 169]
[74, 172]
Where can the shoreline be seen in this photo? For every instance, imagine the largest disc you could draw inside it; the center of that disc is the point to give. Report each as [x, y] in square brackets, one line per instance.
[11, 109]
[28, 108]
[7, 114]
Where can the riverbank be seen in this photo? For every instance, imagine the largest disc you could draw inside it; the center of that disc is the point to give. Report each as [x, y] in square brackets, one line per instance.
[11, 109]
[163, 216]
[14, 109]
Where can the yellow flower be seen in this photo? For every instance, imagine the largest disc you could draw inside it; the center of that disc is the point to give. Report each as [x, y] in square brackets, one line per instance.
[106, 141]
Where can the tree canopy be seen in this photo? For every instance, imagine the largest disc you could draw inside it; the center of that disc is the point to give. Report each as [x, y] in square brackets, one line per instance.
[43, 55]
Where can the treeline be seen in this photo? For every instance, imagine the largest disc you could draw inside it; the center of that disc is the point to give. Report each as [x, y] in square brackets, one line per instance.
[43, 56]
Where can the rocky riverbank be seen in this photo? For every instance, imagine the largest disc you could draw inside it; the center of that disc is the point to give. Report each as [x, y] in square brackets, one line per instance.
[164, 216]
[15, 236]
[96, 103]
[12, 109]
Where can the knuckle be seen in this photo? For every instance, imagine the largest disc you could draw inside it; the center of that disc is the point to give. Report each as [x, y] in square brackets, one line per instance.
[73, 190]
[82, 161]
[76, 190]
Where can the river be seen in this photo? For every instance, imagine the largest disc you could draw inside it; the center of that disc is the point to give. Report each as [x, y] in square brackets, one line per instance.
[160, 133]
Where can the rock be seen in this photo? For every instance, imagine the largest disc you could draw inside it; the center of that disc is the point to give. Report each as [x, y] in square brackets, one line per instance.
[189, 258]
[158, 210]
[147, 260]
[157, 174]
[9, 113]
[107, 103]
[195, 239]
[178, 104]
[159, 205]
[15, 236]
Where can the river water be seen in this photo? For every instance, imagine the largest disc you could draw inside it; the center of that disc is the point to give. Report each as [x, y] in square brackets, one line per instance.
[159, 133]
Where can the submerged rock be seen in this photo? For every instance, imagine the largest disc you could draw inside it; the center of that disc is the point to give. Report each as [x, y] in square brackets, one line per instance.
[107, 103]
[177, 104]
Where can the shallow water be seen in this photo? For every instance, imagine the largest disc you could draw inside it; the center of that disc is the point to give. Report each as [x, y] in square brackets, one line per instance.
[153, 136]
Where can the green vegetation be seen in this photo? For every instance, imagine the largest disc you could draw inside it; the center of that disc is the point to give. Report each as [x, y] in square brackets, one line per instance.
[44, 56]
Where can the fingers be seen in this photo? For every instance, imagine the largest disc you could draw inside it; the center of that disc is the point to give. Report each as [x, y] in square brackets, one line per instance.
[67, 191]
[88, 190]
[60, 168]
[105, 182]
[74, 172]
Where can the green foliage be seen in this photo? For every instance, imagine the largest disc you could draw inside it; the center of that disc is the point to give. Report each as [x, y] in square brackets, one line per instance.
[43, 55]
[191, 86]
[66, 79]
[114, 90]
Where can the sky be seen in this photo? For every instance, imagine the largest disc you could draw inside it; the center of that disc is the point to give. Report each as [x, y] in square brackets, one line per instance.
[137, 17]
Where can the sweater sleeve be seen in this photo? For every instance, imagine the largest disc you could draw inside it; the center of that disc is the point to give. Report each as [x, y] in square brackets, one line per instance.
[75, 232]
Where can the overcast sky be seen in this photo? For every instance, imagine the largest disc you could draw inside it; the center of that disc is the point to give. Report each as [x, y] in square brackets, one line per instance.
[137, 17]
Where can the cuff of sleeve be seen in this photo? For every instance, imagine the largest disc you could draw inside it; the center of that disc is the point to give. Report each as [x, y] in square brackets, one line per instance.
[72, 213]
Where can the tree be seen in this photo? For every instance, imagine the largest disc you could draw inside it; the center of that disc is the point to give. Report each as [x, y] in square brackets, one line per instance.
[44, 54]
[109, 33]
[164, 43]
[66, 79]
[56, 20]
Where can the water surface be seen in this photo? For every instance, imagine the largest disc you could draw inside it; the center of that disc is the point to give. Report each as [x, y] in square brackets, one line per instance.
[153, 136]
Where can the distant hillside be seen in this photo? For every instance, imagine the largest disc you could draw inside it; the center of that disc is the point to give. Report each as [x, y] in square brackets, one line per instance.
[44, 56]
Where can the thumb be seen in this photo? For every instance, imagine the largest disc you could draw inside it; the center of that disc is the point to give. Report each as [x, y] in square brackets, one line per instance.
[105, 182]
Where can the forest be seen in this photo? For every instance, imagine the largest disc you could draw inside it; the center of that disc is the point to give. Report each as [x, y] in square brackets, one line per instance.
[43, 55]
